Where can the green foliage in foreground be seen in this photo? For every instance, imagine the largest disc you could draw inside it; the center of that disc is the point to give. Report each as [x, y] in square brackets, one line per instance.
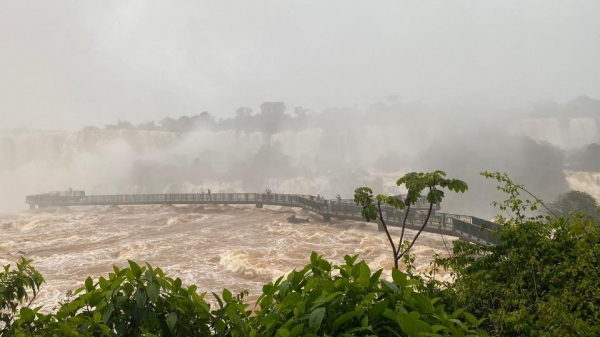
[349, 300]
[320, 300]
[17, 286]
[542, 280]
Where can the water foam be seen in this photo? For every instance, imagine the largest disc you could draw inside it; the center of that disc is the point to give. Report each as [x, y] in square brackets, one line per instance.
[213, 247]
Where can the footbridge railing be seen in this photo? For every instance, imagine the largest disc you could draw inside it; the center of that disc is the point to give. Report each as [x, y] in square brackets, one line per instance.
[465, 227]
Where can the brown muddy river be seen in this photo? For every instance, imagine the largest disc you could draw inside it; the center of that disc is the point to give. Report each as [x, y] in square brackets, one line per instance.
[236, 247]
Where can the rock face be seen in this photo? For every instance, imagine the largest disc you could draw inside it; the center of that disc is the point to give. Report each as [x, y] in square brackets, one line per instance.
[293, 219]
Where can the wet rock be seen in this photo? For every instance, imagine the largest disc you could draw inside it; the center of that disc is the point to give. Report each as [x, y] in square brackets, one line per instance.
[21, 253]
[294, 219]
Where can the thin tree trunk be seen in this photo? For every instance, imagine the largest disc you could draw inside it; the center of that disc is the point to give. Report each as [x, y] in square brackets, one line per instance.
[419, 232]
[395, 252]
[404, 224]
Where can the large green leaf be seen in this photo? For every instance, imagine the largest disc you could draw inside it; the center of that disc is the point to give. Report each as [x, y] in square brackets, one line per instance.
[297, 330]
[140, 298]
[27, 314]
[227, 296]
[89, 284]
[412, 326]
[365, 275]
[135, 268]
[153, 291]
[422, 302]
[171, 320]
[316, 318]
[343, 319]
[378, 309]
[399, 277]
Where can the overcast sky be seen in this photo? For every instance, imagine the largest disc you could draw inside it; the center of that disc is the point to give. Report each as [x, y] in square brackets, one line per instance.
[67, 64]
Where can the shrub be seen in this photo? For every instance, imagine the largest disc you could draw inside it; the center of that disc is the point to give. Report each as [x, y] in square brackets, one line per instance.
[17, 286]
[320, 300]
[350, 300]
[542, 280]
[136, 301]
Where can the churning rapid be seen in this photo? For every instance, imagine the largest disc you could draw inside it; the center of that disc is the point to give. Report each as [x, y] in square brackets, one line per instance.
[236, 247]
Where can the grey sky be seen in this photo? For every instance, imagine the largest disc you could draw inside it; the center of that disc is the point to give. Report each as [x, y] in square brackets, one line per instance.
[68, 64]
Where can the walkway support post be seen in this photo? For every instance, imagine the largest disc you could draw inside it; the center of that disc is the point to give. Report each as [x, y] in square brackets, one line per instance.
[326, 218]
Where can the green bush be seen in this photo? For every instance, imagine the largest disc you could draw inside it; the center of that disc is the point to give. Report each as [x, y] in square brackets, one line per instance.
[136, 301]
[17, 286]
[542, 280]
[349, 300]
[319, 300]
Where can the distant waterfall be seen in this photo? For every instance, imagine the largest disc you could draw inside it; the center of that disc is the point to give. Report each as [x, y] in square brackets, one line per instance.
[542, 130]
[102, 161]
[570, 133]
[93, 160]
[583, 131]
[18, 148]
[588, 182]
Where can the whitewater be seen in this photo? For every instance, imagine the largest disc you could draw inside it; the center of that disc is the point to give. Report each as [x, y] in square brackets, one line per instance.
[214, 247]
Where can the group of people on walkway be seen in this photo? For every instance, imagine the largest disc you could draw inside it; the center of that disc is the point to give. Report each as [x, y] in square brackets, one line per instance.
[267, 194]
[321, 198]
[202, 192]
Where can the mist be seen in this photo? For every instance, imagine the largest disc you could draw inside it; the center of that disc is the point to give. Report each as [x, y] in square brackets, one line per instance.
[300, 97]
[328, 152]
[65, 66]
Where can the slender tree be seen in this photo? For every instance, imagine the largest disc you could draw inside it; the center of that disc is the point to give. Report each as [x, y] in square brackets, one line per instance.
[430, 183]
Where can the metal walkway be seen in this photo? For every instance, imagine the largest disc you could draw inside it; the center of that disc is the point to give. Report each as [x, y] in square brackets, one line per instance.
[467, 228]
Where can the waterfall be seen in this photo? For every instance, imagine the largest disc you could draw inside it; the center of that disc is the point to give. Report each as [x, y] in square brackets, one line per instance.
[568, 133]
[588, 182]
[583, 131]
[542, 130]
[97, 161]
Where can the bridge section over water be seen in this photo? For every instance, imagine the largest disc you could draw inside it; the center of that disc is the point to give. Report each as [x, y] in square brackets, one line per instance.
[464, 227]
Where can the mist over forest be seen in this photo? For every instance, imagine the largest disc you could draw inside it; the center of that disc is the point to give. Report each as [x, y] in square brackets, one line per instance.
[296, 150]
[121, 121]
[139, 97]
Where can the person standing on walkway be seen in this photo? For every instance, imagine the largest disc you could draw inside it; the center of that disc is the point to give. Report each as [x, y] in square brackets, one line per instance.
[209, 199]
